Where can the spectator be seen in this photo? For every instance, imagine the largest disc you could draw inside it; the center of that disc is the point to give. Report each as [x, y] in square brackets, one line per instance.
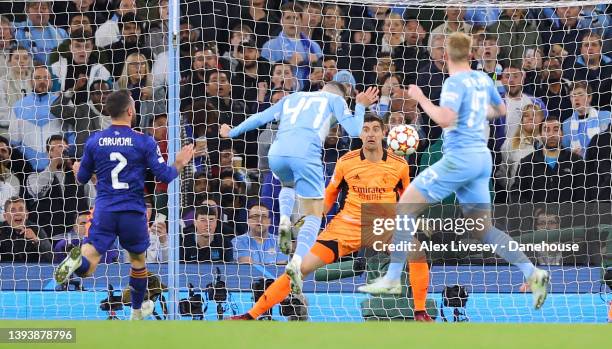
[515, 35]
[7, 190]
[390, 85]
[241, 33]
[159, 130]
[283, 78]
[36, 34]
[414, 53]
[595, 19]
[65, 11]
[257, 246]
[6, 43]
[513, 79]
[20, 239]
[231, 111]
[315, 79]
[16, 85]
[430, 79]
[13, 165]
[594, 67]
[79, 66]
[195, 85]
[334, 32]
[359, 56]
[330, 68]
[487, 59]
[251, 76]
[551, 173]
[312, 21]
[157, 38]
[554, 90]
[520, 145]
[393, 41]
[263, 21]
[564, 31]
[110, 32]
[383, 66]
[54, 195]
[233, 199]
[85, 118]
[78, 23]
[598, 160]
[32, 122]
[290, 45]
[157, 252]
[131, 41]
[454, 22]
[208, 240]
[586, 121]
[532, 65]
[76, 237]
[136, 77]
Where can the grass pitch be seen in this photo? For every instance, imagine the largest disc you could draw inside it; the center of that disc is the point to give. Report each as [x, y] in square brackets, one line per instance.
[375, 335]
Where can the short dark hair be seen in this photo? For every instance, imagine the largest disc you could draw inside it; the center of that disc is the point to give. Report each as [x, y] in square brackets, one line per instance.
[18, 48]
[550, 118]
[81, 35]
[339, 86]
[54, 138]
[211, 72]
[225, 145]
[371, 117]
[292, 7]
[130, 18]
[12, 200]
[117, 103]
[206, 210]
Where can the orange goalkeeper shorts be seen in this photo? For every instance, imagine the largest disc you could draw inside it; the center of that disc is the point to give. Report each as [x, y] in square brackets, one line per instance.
[341, 238]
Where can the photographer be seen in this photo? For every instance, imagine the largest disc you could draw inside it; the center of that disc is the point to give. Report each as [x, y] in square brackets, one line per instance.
[53, 195]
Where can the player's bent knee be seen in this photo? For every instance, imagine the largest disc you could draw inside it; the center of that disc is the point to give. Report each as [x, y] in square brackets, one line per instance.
[93, 256]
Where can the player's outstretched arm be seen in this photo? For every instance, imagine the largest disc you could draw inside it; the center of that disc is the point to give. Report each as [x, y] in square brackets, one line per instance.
[158, 166]
[254, 121]
[443, 116]
[353, 125]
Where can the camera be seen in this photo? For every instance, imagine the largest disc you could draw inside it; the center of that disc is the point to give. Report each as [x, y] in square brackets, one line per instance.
[193, 306]
[112, 303]
[259, 286]
[455, 297]
[607, 278]
[217, 292]
[294, 308]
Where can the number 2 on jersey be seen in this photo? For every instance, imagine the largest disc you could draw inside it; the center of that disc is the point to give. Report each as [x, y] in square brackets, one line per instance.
[116, 156]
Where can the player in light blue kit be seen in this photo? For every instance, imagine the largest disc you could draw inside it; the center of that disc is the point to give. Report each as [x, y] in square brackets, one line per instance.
[119, 157]
[295, 157]
[469, 98]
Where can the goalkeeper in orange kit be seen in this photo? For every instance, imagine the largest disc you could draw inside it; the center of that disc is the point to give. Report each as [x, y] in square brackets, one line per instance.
[370, 175]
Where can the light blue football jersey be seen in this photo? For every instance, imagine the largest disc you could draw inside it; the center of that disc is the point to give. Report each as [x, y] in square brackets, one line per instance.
[304, 120]
[469, 94]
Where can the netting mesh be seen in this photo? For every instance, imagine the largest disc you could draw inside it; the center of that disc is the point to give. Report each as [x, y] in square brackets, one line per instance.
[551, 178]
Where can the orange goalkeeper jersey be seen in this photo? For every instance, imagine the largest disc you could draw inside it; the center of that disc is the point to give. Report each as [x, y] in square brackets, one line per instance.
[366, 182]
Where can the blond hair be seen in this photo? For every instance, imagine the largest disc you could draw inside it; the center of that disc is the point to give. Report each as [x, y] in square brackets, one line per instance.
[458, 47]
[537, 111]
[124, 78]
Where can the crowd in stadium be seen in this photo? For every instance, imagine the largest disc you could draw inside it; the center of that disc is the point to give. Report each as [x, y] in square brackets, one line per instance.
[60, 59]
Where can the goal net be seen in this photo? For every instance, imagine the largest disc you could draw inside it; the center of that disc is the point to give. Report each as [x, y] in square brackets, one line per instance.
[191, 66]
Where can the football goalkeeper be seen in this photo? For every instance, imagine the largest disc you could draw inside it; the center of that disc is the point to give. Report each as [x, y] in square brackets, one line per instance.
[370, 175]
